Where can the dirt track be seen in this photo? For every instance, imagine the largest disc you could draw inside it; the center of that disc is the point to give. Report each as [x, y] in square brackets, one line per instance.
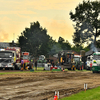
[41, 86]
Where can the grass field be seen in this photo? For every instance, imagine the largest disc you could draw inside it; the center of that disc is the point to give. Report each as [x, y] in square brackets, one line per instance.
[39, 69]
[92, 94]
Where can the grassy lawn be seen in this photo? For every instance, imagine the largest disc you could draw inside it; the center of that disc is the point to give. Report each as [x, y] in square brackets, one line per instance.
[92, 94]
[39, 69]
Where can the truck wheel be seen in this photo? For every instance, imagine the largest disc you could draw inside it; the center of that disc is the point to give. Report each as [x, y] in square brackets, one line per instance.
[90, 68]
[78, 67]
[93, 71]
[74, 68]
[13, 68]
[69, 68]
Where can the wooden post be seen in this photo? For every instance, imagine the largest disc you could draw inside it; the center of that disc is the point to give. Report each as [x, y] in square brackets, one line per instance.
[85, 86]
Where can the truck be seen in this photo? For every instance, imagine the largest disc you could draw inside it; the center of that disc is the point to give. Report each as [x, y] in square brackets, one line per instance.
[7, 59]
[66, 60]
[41, 61]
[89, 62]
[96, 62]
[26, 61]
[16, 56]
[71, 61]
[78, 62]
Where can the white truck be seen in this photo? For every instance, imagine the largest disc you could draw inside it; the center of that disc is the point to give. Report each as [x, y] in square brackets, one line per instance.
[41, 61]
[7, 59]
[96, 62]
[89, 62]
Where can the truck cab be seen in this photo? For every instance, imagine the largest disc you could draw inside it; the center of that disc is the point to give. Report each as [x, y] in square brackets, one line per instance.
[96, 62]
[78, 62]
[66, 60]
[7, 59]
[89, 62]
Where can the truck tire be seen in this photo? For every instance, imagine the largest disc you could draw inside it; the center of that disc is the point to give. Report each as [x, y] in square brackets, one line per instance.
[79, 67]
[74, 68]
[69, 68]
[13, 68]
[93, 71]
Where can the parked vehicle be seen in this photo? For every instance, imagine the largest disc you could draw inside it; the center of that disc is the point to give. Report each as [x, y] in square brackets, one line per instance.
[16, 56]
[89, 62]
[96, 62]
[66, 59]
[26, 61]
[41, 61]
[7, 59]
[78, 62]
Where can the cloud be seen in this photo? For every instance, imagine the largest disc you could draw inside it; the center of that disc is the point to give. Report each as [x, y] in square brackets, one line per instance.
[58, 28]
[17, 12]
[15, 15]
[52, 4]
[4, 37]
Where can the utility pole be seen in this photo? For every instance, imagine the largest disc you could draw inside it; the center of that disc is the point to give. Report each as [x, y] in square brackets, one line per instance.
[13, 36]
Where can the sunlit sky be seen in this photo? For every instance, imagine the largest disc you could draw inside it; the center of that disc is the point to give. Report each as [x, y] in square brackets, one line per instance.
[16, 15]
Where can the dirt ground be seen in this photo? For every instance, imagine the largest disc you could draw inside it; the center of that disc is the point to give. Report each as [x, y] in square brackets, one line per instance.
[42, 85]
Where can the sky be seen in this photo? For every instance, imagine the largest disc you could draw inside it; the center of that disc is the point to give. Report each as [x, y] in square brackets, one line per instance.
[16, 15]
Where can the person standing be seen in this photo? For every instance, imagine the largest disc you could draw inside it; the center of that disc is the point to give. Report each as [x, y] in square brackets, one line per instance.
[36, 65]
[22, 65]
[53, 64]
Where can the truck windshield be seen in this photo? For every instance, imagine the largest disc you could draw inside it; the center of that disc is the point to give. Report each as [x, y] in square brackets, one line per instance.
[96, 57]
[6, 54]
[76, 58]
[25, 57]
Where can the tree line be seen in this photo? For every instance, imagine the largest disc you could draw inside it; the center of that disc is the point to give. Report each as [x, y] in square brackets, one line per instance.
[87, 29]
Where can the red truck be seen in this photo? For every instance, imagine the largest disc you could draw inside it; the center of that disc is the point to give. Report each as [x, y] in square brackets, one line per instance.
[26, 61]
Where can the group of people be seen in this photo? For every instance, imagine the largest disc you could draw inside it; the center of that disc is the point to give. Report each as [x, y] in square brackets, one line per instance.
[53, 64]
[34, 63]
[26, 66]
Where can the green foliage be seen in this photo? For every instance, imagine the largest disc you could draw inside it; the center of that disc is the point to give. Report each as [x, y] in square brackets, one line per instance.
[59, 46]
[77, 48]
[55, 48]
[98, 43]
[87, 21]
[92, 94]
[64, 45]
[35, 40]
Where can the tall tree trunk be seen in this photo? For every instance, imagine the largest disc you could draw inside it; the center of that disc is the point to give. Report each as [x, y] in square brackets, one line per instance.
[95, 38]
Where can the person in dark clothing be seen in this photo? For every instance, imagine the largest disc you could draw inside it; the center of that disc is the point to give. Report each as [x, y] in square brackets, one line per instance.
[52, 63]
[36, 65]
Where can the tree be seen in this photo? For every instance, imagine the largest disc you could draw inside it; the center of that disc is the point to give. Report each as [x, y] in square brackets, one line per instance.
[56, 48]
[64, 45]
[61, 40]
[77, 48]
[35, 40]
[98, 43]
[87, 19]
